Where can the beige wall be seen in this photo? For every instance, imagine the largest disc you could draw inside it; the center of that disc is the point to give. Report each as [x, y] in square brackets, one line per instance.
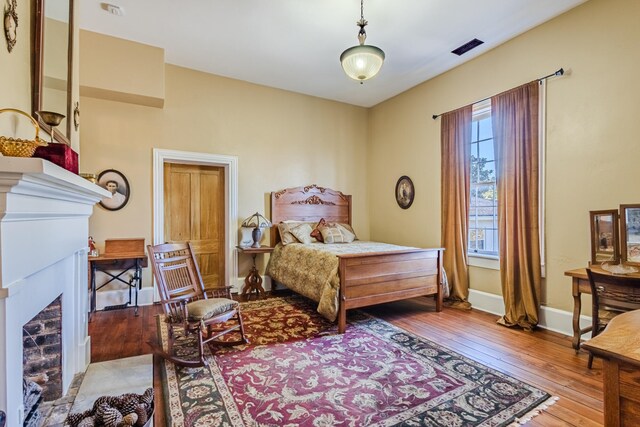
[593, 153]
[15, 84]
[282, 139]
[121, 70]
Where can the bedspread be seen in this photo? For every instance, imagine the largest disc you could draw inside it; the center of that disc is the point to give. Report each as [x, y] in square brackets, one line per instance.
[312, 270]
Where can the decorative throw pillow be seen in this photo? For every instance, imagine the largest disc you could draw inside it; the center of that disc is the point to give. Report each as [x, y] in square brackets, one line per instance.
[347, 231]
[316, 234]
[302, 232]
[286, 237]
[335, 233]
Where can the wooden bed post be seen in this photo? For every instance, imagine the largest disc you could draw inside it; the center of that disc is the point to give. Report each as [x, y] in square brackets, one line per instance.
[439, 294]
[342, 306]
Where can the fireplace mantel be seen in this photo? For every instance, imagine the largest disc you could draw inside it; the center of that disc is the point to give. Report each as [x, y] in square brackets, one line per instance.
[44, 225]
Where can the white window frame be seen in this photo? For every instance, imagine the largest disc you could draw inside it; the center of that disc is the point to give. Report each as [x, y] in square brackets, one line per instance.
[484, 260]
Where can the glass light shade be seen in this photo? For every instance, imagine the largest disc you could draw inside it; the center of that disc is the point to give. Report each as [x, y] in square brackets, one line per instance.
[256, 220]
[362, 62]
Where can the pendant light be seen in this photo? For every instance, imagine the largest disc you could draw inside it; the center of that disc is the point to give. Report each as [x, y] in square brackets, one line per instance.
[363, 61]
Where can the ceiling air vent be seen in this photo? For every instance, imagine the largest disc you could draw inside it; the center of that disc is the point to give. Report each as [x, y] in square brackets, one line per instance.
[112, 9]
[467, 47]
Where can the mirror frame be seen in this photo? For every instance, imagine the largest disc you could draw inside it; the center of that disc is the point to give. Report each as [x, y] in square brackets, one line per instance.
[615, 233]
[623, 232]
[38, 76]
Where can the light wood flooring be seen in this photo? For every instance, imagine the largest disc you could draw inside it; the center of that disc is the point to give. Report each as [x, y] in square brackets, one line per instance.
[541, 358]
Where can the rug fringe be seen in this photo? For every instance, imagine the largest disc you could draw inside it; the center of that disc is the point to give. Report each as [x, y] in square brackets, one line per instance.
[534, 412]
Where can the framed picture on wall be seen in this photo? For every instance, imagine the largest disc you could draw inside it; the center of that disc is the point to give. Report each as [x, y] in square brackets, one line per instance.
[404, 192]
[117, 184]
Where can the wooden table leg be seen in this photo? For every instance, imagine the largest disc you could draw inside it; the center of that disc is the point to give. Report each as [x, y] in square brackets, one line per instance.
[577, 307]
[253, 282]
[611, 385]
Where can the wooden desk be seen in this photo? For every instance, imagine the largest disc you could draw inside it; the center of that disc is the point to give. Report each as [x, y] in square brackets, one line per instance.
[580, 285]
[121, 262]
[619, 347]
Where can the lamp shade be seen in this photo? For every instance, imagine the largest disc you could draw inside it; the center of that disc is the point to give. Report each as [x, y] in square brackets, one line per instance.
[256, 220]
[362, 62]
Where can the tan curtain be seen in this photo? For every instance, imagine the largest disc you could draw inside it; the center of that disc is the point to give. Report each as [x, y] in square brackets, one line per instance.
[515, 137]
[456, 147]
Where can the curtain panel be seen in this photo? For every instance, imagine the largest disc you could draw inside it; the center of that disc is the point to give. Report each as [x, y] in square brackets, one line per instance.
[455, 161]
[515, 137]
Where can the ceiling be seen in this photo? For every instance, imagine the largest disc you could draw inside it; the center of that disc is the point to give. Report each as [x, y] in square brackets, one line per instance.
[295, 44]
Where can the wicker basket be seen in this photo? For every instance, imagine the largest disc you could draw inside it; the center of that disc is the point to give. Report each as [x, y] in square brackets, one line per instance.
[20, 147]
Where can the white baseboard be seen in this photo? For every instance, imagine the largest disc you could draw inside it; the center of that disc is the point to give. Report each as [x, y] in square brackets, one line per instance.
[550, 318]
[120, 296]
[87, 352]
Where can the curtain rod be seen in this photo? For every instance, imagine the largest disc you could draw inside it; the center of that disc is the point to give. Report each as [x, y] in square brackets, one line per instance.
[560, 72]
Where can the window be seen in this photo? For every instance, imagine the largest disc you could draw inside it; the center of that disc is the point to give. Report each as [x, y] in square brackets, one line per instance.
[483, 207]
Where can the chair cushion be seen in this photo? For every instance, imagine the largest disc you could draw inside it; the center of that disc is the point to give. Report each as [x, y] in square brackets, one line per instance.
[206, 308]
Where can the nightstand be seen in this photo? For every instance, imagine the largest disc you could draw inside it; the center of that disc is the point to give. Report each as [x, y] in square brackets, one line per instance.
[253, 281]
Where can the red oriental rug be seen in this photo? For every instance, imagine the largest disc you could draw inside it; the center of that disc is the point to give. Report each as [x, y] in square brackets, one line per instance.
[299, 372]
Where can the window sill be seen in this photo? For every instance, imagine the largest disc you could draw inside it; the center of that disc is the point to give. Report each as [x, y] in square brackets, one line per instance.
[484, 261]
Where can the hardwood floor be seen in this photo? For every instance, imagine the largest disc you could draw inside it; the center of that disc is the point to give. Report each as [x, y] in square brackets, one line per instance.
[119, 333]
[542, 358]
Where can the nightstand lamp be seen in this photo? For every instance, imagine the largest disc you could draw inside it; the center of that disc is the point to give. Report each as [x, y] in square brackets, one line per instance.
[258, 223]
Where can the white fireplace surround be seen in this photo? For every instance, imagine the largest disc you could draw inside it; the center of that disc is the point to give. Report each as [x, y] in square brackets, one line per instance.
[44, 225]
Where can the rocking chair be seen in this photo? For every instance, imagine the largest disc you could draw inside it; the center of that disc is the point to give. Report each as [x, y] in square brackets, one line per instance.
[186, 303]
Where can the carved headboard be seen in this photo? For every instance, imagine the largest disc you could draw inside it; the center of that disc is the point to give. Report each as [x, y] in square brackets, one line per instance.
[310, 203]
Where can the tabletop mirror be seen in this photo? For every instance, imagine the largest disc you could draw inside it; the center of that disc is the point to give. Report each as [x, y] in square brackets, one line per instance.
[52, 57]
[630, 233]
[604, 236]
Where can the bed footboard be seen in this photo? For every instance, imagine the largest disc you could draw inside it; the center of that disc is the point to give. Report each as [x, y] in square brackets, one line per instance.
[375, 278]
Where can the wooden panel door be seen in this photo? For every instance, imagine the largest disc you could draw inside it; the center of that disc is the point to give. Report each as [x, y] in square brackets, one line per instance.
[194, 211]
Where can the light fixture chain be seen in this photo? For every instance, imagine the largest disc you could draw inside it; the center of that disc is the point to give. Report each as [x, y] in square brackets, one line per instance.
[362, 34]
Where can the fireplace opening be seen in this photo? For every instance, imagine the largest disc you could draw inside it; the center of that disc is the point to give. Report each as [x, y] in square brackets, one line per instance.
[42, 360]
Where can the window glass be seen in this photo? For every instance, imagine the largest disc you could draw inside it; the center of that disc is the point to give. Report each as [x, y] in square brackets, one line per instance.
[483, 220]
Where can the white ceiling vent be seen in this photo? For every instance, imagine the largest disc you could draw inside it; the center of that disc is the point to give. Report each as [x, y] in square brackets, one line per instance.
[112, 9]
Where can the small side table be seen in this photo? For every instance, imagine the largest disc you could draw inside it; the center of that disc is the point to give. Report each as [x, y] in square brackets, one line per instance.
[253, 281]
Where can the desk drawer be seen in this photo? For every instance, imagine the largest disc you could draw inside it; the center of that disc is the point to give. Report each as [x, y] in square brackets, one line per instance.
[119, 264]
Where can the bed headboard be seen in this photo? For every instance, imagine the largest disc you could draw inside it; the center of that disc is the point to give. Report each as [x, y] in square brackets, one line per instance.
[310, 203]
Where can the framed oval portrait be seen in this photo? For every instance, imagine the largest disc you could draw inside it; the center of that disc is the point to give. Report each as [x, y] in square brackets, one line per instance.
[404, 192]
[117, 184]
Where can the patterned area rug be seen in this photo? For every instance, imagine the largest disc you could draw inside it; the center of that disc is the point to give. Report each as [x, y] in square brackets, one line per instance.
[299, 372]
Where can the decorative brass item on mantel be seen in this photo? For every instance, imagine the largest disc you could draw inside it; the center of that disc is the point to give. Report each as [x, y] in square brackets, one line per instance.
[15, 147]
[51, 118]
[91, 177]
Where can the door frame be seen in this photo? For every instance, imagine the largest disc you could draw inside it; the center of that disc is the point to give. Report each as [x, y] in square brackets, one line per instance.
[230, 165]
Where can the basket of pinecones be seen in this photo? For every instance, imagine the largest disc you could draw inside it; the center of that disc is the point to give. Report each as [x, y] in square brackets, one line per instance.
[129, 409]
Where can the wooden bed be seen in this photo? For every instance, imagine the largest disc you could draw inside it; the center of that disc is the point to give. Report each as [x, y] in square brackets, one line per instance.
[365, 279]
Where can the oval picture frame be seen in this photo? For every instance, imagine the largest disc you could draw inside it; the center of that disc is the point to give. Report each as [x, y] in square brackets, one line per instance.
[405, 192]
[120, 193]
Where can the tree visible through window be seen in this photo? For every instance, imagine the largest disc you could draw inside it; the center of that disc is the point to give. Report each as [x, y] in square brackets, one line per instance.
[483, 207]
